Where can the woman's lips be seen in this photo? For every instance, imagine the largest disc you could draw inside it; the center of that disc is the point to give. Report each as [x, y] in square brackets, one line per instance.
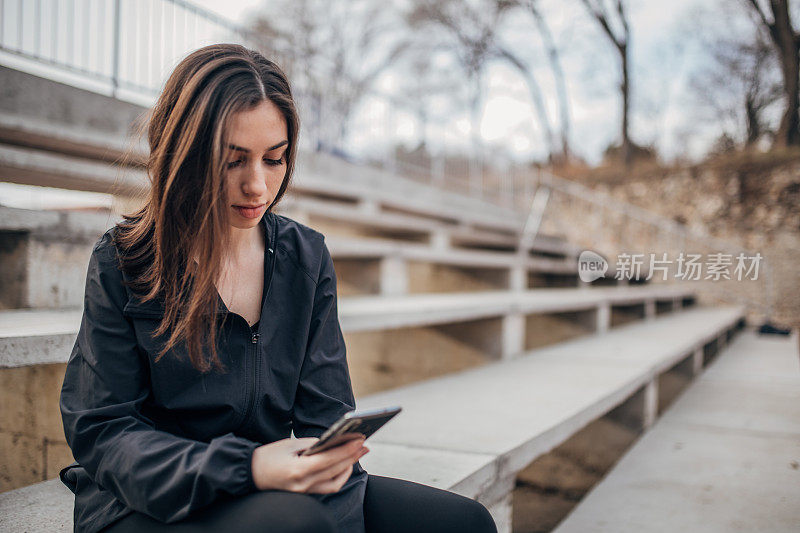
[250, 212]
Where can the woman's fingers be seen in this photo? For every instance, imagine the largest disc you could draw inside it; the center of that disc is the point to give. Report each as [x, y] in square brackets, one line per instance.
[322, 460]
[334, 470]
[327, 486]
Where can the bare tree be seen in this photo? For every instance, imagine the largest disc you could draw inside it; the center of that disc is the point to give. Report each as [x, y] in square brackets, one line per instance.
[740, 86]
[421, 84]
[476, 34]
[785, 41]
[558, 73]
[620, 39]
[333, 51]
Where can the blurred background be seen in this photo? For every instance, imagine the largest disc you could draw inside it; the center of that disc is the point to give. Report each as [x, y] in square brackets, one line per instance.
[689, 112]
[459, 155]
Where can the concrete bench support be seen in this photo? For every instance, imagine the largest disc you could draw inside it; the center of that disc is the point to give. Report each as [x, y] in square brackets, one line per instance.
[440, 239]
[649, 309]
[721, 342]
[518, 278]
[697, 360]
[650, 407]
[640, 410]
[603, 318]
[393, 276]
[368, 205]
[513, 335]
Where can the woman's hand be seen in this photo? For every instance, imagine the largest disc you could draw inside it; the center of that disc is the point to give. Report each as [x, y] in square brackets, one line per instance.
[277, 466]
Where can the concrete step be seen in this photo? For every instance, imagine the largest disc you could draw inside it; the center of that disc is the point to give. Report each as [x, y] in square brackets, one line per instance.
[442, 235]
[317, 174]
[349, 247]
[472, 431]
[365, 313]
[724, 457]
[31, 337]
[386, 266]
[44, 506]
[82, 160]
[67, 139]
[44, 256]
[323, 174]
[31, 166]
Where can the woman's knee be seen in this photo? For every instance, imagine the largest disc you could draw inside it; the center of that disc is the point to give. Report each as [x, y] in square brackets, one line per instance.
[479, 519]
[418, 507]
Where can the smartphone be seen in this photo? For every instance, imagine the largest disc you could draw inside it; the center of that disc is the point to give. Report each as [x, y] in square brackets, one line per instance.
[352, 425]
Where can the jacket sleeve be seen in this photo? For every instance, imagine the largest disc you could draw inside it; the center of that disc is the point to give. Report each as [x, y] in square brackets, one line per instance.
[324, 392]
[106, 382]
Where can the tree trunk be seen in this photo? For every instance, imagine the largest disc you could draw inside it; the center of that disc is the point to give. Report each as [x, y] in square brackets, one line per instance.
[627, 154]
[753, 125]
[785, 43]
[787, 134]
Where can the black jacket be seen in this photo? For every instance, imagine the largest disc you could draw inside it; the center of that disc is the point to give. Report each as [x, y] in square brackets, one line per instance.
[163, 438]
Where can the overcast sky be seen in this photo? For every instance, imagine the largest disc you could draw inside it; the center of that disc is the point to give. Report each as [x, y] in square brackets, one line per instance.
[661, 60]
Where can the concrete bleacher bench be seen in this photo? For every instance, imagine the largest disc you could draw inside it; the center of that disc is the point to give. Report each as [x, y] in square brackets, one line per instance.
[723, 457]
[44, 255]
[43, 336]
[472, 431]
[438, 233]
[348, 247]
[387, 262]
[75, 158]
[369, 313]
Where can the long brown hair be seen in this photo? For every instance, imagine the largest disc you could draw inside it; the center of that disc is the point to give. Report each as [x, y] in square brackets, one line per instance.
[185, 214]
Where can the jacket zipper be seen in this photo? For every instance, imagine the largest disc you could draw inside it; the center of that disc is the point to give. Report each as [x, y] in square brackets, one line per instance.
[254, 336]
[251, 391]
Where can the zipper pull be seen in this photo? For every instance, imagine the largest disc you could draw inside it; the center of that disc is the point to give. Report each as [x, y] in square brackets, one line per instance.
[254, 338]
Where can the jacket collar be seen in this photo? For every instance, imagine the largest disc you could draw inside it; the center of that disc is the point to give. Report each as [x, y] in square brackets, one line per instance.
[156, 308]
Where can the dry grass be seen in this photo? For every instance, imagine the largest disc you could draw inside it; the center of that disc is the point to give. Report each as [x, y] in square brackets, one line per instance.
[614, 173]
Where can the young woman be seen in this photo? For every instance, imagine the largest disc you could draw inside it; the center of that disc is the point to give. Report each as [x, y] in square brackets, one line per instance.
[210, 332]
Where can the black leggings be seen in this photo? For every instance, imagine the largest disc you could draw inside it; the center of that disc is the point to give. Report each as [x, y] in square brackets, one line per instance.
[390, 505]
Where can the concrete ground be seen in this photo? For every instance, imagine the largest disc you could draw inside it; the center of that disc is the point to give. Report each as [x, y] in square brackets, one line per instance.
[725, 457]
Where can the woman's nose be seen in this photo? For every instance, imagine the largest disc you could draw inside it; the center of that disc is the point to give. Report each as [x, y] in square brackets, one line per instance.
[255, 183]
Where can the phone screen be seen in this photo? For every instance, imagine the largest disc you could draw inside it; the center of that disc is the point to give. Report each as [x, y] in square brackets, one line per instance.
[352, 425]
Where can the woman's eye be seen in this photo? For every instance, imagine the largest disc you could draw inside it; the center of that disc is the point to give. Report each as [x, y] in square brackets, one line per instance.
[271, 162]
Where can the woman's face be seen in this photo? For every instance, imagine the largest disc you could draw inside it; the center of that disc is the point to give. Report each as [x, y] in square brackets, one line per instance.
[255, 162]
